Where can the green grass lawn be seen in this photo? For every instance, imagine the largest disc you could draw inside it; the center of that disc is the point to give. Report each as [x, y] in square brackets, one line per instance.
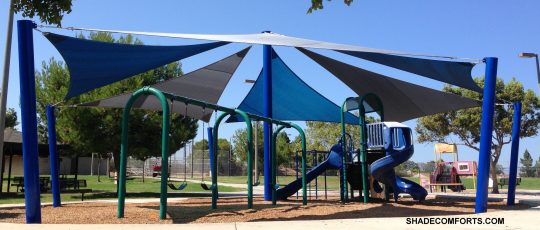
[105, 189]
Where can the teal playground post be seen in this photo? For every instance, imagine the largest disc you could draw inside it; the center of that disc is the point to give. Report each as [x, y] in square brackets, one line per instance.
[164, 150]
[274, 161]
[218, 121]
[353, 103]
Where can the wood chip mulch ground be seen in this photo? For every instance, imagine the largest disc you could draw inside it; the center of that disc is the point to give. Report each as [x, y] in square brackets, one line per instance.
[197, 210]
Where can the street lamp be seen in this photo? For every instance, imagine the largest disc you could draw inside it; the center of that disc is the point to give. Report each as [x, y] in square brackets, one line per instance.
[531, 55]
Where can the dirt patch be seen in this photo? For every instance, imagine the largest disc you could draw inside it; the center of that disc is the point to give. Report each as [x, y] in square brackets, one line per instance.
[197, 210]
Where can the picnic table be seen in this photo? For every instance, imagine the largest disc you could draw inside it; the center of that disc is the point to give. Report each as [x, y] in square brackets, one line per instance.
[504, 181]
[67, 185]
[18, 182]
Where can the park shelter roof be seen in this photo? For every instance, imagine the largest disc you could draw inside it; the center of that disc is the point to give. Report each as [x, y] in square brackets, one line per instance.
[206, 84]
[402, 100]
[94, 64]
[13, 143]
[292, 98]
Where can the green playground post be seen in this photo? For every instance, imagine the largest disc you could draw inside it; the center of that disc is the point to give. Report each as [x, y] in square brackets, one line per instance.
[274, 161]
[362, 157]
[214, 186]
[345, 187]
[164, 150]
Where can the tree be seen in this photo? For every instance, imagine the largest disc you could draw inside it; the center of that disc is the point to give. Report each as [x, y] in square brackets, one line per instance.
[427, 167]
[50, 11]
[98, 130]
[526, 162]
[407, 168]
[465, 124]
[318, 5]
[323, 135]
[224, 147]
[11, 118]
[284, 149]
[537, 168]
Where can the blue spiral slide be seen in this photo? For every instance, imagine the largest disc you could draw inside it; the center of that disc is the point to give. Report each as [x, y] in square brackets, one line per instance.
[383, 171]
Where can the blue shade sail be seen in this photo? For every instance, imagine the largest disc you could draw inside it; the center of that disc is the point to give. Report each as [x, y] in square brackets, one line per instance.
[94, 64]
[451, 72]
[292, 98]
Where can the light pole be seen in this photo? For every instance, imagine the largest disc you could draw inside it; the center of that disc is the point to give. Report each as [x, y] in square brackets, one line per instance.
[531, 55]
[5, 82]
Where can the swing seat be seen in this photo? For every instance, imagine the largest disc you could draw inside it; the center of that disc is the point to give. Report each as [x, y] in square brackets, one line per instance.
[204, 186]
[180, 187]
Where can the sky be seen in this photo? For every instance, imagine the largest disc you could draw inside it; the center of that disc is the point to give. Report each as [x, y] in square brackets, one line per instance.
[471, 29]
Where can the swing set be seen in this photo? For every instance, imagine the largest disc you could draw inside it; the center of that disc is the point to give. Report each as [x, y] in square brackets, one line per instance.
[213, 146]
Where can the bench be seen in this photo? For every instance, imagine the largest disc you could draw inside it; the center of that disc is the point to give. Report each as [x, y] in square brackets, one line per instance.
[444, 185]
[77, 187]
[81, 191]
[504, 181]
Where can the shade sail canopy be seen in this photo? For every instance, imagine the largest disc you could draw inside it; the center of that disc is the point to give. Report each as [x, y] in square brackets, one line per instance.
[94, 64]
[451, 70]
[292, 98]
[401, 100]
[205, 84]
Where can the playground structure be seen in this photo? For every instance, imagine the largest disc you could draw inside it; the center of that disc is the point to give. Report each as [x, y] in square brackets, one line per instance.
[396, 144]
[383, 146]
[447, 173]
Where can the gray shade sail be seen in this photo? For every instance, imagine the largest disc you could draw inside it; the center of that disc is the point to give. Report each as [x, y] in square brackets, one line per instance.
[206, 84]
[451, 70]
[402, 101]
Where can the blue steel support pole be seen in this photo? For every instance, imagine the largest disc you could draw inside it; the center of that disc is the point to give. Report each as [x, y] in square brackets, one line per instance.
[29, 121]
[267, 101]
[213, 171]
[53, 156]
[514, 154]
[486, 131]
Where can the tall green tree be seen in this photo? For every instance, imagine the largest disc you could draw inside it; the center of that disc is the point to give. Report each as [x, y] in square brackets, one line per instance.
[98, 130]
[11, 118]
[49, 11]
[323, 135]
[284, 148]
[537, 168]
[526, 162]
[464, 125]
